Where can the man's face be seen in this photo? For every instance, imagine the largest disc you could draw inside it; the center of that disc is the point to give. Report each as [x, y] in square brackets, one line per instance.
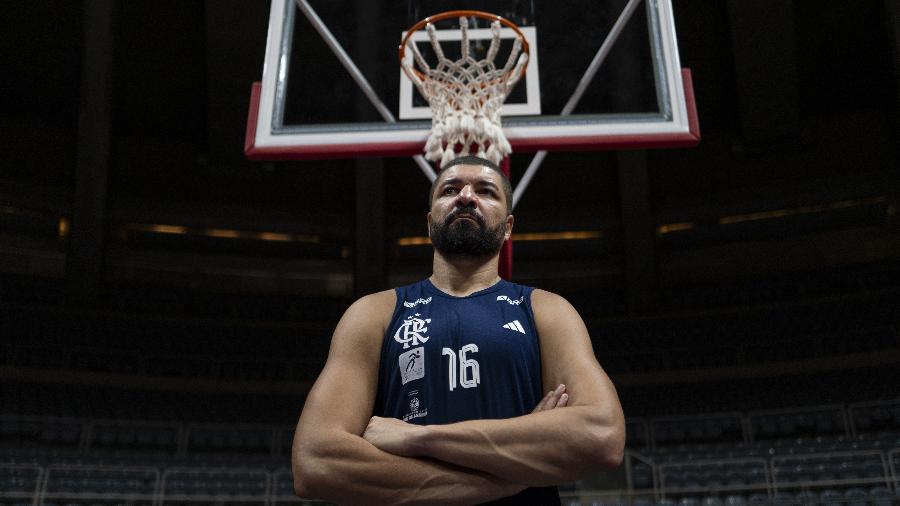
[468, 215]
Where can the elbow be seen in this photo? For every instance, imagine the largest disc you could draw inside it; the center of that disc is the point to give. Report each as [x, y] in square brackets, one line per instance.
[301, 488]
[302, 481]
[606, 447]
[612, 454]
[307, 475]
[302, 484]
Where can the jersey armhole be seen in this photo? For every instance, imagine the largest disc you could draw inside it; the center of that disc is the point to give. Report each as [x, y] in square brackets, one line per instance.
[379, 401]
[387, 328]
[537, 335]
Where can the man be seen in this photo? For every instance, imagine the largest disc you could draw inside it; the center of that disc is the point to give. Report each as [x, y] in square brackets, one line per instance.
[454, 368]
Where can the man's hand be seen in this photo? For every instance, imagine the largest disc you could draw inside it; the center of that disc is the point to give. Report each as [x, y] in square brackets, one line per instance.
[401, 438]
[392, 435]
[554, 399]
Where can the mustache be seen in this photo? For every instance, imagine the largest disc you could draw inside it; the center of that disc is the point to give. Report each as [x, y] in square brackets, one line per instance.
[464, 212]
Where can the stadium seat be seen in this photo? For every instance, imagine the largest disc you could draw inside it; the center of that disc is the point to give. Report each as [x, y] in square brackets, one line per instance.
[880, 496]
[824, 472]
[856, 497]
[758, 499]
[735, 477]
[735, 500]
[641, 476]
[873, 469]
[849, 470]
[807, 497]
[786, 499]
[831, 497]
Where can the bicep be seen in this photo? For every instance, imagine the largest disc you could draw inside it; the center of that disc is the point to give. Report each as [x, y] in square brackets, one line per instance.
[343, 396]
[567, 355]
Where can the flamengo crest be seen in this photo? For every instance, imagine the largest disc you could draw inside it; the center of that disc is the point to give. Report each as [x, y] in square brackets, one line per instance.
[412, 330]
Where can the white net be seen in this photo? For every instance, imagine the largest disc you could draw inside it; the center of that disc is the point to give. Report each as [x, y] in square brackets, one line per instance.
[466, 96]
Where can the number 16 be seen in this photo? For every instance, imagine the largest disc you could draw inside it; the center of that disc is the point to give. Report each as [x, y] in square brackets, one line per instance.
[469, 375]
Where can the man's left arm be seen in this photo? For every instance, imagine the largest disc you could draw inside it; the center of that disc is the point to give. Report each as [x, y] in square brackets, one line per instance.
[546, 447]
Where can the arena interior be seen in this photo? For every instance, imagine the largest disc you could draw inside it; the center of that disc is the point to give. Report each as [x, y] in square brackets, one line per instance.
[165, 303]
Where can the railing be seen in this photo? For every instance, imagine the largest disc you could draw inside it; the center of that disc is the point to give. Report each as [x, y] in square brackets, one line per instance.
[123, 485]
[204, 485]
[87, 358]
[21, 482]
[59, 444]
[747, 482]
[687, 422]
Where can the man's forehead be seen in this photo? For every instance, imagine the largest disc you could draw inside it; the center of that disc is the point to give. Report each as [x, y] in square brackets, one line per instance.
[470, 173]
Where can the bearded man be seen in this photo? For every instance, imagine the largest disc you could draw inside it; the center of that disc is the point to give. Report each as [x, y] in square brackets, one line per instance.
[434, 393]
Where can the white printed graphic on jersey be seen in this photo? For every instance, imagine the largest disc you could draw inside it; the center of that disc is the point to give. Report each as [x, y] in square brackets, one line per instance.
[417, 302]
[412, 365]
[412, 331]
[514, 302]
[515, 325]
[414, 405]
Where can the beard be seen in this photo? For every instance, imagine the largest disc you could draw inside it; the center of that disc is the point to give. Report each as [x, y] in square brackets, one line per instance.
[463, 238]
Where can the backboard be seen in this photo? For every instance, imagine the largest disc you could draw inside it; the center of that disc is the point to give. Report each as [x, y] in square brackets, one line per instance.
[603, 75]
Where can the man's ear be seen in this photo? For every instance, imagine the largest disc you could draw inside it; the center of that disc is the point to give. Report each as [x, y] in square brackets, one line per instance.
[428, 223]
[510, 221]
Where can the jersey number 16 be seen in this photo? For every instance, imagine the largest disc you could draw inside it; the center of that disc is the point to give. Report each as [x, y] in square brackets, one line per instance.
[469, 377]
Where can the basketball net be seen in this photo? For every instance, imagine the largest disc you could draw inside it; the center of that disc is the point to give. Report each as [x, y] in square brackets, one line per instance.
[465, 95]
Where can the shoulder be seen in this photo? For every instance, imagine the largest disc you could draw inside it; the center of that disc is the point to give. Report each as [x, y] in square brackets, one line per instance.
[552, 311]
[549, 302]
[374, 303]
[369, 316]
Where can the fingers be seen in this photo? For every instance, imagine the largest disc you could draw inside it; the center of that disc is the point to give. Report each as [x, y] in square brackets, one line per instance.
[554, 399]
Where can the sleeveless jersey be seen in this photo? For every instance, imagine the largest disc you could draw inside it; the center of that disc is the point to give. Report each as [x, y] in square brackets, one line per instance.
[447, 359]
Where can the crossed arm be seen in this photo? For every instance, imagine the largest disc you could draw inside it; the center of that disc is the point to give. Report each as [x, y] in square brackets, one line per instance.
[343, 455]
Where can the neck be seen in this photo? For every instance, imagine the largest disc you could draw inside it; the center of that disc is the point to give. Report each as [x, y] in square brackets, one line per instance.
[463, 276]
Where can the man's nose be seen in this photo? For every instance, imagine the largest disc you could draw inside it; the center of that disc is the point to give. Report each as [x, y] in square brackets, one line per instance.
[466, 195]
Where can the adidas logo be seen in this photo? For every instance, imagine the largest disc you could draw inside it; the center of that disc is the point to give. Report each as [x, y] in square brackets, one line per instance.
[514, 325]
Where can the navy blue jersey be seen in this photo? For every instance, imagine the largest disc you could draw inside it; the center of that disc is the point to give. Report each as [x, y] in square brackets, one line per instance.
[447, 359]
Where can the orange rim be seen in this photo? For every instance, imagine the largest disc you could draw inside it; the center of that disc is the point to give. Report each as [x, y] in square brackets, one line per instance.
[456, 14]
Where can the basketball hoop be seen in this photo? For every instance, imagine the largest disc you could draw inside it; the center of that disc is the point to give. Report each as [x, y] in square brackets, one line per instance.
[465, 95]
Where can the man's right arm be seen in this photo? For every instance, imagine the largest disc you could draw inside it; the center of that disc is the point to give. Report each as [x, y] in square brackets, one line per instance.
[332, 461]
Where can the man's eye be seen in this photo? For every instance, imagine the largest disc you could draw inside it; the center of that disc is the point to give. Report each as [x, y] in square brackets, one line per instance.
[449, 191]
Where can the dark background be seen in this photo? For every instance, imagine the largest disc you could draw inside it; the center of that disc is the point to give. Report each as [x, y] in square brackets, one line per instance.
[758, 269]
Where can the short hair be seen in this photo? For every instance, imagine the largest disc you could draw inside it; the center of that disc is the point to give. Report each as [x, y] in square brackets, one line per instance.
[506, 186]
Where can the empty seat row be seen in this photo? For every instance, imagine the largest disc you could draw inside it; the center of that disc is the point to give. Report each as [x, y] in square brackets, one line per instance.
[25, 431]
[110, 435]
[105, 437]
[231, 439]
[692, 430]
[780, 425]
[777, 447]
[235, 483]
[880, 418]
[102, 480]
[875, 496]
[844, 470]
[877, 417]
[19, 478]
[729, 475]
